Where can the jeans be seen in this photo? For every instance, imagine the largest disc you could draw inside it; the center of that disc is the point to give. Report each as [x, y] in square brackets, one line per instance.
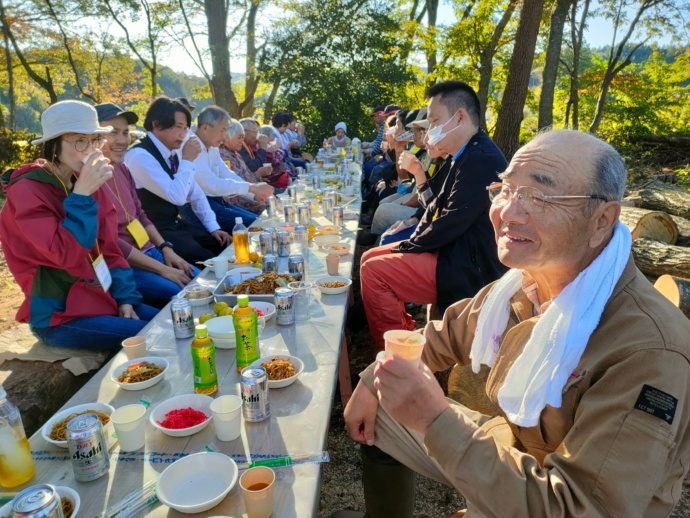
[102, 333]
[155, 289]
[225, 214]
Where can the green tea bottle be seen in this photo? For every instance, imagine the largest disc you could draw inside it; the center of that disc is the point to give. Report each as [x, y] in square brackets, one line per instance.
[204, 360]
[246, 333]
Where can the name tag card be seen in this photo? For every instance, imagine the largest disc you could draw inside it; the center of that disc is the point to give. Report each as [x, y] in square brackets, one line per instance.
[101, 270]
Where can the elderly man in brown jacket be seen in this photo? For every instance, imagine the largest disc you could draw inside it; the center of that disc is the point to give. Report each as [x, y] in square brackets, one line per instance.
[586, 367]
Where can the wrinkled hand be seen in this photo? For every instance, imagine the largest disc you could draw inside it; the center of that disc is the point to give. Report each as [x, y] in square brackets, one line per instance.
[94, 173]
[261, 191]
[191, 149]
[127, 311]
[360, 415]
[273, 146]
[410, 394]
[175, 261]
[262, 140]
[264, 171]
[222, 237]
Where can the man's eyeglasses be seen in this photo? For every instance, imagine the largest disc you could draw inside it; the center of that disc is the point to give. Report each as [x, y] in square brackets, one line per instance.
[82, 143]
[530, 199]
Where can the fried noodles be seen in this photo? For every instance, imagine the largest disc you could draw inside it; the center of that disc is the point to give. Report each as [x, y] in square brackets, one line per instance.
[59, 430]
[279, 369]
[264, 284]
[140, 373]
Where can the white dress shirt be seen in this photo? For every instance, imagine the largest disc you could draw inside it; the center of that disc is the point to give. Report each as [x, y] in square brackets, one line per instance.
[214, 177]
[148, 174]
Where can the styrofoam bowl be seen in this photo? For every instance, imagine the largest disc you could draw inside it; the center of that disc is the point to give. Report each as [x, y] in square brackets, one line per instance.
[203, 301]
[340, 248]
[276, 384]
[196, 401]
[221, 327]
[117, 372]
[332, 278]
[197, 482]
[108, 429]
[328, 230]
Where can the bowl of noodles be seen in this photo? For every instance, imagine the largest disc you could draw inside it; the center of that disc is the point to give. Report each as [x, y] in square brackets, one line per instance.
[55, 429]
[140, 373]
[282, 369]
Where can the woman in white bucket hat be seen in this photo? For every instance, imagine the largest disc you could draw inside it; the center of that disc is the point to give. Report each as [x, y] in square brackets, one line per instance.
[59, 234]
[340, 139]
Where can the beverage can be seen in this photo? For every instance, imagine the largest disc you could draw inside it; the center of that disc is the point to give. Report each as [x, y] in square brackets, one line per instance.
[270, 263]
[290, 214]
[271, 207]
[266, 243]
[292, 193]
[337, 217]
[274, 235]
[283, 244]
[327, 206]
[87, 448]
[182, 317]
[296, 266]
[285, 311]
[315, 182]
[255, 399]
[304, 214]
[40, 501]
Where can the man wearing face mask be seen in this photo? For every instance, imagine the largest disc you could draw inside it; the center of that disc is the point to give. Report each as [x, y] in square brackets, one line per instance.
[451, 255]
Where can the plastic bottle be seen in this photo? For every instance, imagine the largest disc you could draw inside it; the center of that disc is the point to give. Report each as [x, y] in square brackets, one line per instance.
[204, 361]
[356, 148]
[246, 333]
[240, 238]
[16, 464]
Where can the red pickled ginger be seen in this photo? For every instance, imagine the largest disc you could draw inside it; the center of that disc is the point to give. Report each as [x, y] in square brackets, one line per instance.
[182, 418]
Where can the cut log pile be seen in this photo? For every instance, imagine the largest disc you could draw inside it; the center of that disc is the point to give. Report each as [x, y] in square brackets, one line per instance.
[658, 215]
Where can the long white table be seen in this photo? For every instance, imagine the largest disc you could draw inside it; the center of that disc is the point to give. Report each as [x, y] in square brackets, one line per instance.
[299, 413]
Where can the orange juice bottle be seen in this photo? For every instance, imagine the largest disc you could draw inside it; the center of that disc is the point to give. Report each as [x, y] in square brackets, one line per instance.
[16, 464]
[204, 361]
[240, 238]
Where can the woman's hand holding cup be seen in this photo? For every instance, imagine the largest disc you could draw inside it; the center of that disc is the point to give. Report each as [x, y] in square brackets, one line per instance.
[94, 173]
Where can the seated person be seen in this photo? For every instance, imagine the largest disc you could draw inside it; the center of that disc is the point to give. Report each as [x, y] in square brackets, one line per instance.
[582, 365]
[229, 194]
[158, 271]
[451, 255]
[163, 171]
[340, 138]
[58, 231]
[281, 176]
[295, 131]
[259, 149]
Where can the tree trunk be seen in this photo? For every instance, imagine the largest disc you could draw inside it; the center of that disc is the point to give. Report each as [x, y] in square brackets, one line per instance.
[665, 197]
[656, 259]
[268, 109]
[655, 225]
[676, 290]
[10, 77]
[252, 79]
[553, 54]
[507, 135]
[221, 80]
[682, 224]
[432, 13]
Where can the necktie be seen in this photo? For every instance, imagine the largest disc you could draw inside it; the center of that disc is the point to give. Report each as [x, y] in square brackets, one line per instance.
[174, 163]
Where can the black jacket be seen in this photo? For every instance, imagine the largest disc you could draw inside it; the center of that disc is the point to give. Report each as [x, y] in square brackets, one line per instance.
[462, 234]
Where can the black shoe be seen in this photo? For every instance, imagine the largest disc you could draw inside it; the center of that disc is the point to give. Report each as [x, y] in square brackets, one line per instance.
[366, 238]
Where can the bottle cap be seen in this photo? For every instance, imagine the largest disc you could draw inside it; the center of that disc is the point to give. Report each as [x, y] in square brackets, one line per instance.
[238, 220]
[243, 301]
[201, 331]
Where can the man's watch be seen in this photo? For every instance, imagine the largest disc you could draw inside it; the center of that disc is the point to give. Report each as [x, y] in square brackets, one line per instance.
[165, 244]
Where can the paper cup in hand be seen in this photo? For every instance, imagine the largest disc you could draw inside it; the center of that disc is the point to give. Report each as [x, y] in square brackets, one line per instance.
[406, 160]
[268, 164]
[406, 345]
[135, 347]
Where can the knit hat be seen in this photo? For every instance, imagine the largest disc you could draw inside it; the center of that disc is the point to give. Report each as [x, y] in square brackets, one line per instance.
[69, 117]
[341, 125]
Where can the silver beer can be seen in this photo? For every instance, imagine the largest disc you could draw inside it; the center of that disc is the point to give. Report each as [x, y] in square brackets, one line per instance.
[41, 501]
[333, 196]
[254, 388]
[290, 214]
[315, 182]
[266, 243]
[337, 218]
[87, 448]
[273, 233]
[283, 244]
[270, 263]
[296, 266]
[292, 192]
[271, 207]
[182, 317]
[327, 206]
[285, 311]
[304, 214]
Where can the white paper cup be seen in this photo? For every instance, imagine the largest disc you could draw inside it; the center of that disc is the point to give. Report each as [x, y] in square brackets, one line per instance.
[397, 348]
[130, 426]
[406, 159]
[220, 266]
[135, 347]
[267, 164]
[258, 501]
[226, 412]
[332, 263]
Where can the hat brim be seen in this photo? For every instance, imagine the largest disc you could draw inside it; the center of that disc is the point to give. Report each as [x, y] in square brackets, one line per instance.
[375, 113]
[424, 124]
[51, 136]
[130, 117]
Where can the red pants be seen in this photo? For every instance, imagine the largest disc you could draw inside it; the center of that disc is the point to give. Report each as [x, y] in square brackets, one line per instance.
[389, 280]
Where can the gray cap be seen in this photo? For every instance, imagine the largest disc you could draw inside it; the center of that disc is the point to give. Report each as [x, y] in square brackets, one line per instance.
[108, 111]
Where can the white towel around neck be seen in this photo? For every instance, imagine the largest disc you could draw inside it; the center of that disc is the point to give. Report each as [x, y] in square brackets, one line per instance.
[558, 339]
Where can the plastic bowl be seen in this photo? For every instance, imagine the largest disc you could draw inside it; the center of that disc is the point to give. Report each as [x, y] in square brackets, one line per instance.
[195, 295]
[221, 327]
[340, 248]
[117, 372]
[333, 278]
[276, 384]
[197, 482]
[325, 240]
[196, 401]
[108, 429]
[266, 308]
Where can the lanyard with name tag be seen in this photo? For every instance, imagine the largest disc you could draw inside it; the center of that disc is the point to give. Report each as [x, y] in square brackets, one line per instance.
[138, 232]
[102, 271]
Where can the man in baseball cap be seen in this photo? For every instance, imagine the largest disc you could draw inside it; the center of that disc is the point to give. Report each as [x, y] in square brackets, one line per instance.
[185, 101]
[377, 111]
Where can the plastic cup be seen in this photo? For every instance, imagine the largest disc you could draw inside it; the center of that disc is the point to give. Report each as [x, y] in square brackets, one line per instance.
[398, 347]
[135, 347]
[302, 298]
[226, 412]
[129, 426]
[220, 266]
[332, 263]
[257, 490]
[406, 159]
[267, 164]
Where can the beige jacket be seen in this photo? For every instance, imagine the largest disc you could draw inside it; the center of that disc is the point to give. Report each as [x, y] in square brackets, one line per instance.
[597, 455]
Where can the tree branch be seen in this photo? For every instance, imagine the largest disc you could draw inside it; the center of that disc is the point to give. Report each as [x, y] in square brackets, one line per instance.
[200, 63]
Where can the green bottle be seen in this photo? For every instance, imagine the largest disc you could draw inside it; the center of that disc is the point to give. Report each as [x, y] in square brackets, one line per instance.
[246, 333]
[204, 360]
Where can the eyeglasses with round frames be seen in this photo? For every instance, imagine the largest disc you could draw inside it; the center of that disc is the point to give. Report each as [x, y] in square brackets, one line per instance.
[82, 143]
[530, 199]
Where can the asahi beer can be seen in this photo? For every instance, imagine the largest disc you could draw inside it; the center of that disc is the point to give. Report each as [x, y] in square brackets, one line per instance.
[271, 207]
[283, 244]
[87, 448]
[337, 218]
[327, 206]
[274, 234]
[304, 214]
[270, 263]
[285, 311]
[333, 196]
[296, 266]
[292, 192]
[41, 501]
[290, 214]
[266, 243]
[182, 317]
[254, 388]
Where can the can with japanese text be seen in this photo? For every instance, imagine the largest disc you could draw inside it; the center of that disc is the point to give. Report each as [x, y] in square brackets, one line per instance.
[182, 317]
[270, 263]
[283, 244]
[254, 389]
[87, 448]
[274, 235]
[285, 311]
[337, 217]
[271, 207]
[266, 243]
[304, 214]
[296, 266]
[41, 501]
[290, 214]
